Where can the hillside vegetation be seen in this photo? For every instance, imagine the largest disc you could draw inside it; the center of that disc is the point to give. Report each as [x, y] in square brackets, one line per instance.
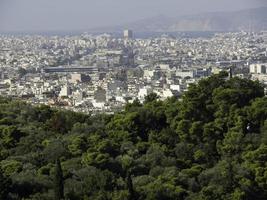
[210, 145]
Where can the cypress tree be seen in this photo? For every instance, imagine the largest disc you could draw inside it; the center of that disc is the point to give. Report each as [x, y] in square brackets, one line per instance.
[5, 185]
[132, 195]
[59, 182]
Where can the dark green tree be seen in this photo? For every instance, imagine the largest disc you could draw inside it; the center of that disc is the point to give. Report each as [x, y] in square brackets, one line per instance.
[58, 182]
[151, 97]
[132, 195]
[5, 185]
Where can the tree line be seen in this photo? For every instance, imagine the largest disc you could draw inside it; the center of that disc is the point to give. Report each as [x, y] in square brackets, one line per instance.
[209, 144]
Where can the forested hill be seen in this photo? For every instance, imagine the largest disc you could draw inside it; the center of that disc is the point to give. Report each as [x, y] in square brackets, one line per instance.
[212, 145]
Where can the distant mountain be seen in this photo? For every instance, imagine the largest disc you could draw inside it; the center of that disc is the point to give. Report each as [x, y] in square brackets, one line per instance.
[248, 20]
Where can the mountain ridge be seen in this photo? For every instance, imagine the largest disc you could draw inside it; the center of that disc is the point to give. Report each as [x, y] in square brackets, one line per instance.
[254, 19]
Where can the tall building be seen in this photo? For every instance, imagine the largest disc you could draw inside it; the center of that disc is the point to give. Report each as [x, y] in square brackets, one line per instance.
[128, 34]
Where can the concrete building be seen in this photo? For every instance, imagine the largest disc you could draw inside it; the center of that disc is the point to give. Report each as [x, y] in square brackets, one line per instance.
[65, 91]
[185, 73]
[143, 92]
[258, 68]
[128, 34]
[79, 78]
[61, 69]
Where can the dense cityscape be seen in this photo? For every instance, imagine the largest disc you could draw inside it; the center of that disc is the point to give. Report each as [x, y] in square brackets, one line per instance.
[101, 73]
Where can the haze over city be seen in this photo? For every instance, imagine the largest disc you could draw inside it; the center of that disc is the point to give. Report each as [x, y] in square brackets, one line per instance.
[69, 15]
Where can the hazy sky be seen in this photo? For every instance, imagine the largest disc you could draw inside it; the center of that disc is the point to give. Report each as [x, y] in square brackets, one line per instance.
[52, 15]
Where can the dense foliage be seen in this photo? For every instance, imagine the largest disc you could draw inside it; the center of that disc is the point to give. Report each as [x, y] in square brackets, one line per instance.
[211, 144]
